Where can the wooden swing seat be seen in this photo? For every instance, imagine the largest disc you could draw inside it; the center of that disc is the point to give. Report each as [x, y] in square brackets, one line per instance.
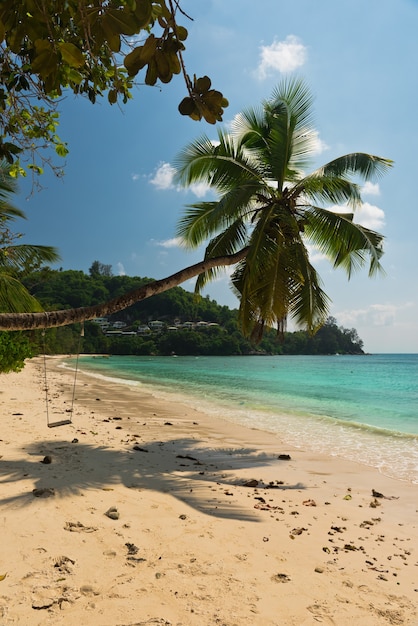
[60, 423]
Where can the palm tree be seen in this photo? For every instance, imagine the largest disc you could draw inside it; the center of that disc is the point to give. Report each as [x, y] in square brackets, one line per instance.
[268, 210]
[269, 207]
[16, 259]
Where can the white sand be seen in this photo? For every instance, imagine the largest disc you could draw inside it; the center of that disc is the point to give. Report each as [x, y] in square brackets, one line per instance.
[192, 544]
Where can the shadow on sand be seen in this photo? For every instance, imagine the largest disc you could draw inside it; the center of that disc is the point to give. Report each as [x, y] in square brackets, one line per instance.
[180, 467]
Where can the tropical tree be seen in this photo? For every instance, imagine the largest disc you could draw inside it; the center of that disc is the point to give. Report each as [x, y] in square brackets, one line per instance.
[267, 211]
[268, 205]
[16, 259]
[92, 48]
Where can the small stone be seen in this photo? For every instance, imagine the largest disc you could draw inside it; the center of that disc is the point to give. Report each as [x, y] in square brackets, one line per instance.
[88, 590]
[251, 483]
[281, 578]
[319, 570]
[112, 513]
[47, 460]
[44, 493]
[377, 494]
[284, 457]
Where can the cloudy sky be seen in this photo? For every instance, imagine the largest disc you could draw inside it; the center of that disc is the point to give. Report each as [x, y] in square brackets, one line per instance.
[118, 204]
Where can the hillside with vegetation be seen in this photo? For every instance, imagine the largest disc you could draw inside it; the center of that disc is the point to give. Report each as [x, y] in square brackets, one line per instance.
[174, 322]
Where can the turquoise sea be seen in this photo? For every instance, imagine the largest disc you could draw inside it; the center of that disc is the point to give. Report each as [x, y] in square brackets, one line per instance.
[363, 408]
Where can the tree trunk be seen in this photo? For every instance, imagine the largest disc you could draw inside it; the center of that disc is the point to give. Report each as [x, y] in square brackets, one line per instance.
[48, 319]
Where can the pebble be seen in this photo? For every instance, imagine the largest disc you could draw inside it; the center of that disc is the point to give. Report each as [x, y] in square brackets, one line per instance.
[112, 513]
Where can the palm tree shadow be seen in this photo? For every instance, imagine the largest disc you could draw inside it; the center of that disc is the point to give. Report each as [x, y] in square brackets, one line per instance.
[189, 472]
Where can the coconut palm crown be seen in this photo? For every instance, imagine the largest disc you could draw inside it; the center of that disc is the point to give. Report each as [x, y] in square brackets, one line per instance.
[268, 205]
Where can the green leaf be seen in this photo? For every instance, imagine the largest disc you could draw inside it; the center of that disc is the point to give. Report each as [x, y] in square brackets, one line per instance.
[122, 22]
[71, 55]
[61, 149]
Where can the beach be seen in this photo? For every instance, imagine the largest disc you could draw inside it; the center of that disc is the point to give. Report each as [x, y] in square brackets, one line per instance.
[145, 511]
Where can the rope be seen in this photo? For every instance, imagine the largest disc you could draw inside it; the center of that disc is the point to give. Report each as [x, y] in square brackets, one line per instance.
[71, 410]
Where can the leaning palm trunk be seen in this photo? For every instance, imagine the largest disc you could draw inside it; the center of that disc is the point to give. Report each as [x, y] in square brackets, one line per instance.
[48, 319]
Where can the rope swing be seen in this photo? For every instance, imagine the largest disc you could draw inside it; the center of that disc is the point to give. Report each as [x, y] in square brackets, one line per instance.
[68, 420]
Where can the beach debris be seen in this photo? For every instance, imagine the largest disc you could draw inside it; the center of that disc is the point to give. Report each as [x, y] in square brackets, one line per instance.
[112, 513]
[189, 457]
[183, 516]
[284, 457]
[78, 527]
[47, 460]
[281, 578]
[366, 524]
[44, 492]
[168, 424]
[273, 485]
[132, 548]
[251, 483]
[374, 503]
[338, 529]
[75, 440]
[89, 590]
[377, 494]
[264, 506]
[297, 531]
[3, 576]
[62, 564]
[309, 502]
[348, 497]
[139, 449]
[349, 547]
[319, 570]
[42, 600]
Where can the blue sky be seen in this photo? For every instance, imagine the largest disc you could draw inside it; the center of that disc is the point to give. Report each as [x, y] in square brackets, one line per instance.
[117, 202]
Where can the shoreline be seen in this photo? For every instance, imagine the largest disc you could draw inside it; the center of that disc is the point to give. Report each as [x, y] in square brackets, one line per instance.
[392, 453]
[195, 544]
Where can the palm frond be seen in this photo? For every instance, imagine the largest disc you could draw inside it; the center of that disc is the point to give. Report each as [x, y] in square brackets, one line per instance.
[226, 243]
[327, 189]
[310, 304]
[16, 258]
[14, 297]
[367, 166]
[347, 244]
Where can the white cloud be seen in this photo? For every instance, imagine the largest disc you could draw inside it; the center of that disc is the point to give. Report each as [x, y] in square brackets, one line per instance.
[163, 176]
[367, 215]
[370, 189]
[370, 216]
[120, 269]
[175, 242]
[199, 189]
[135, 177]
[373, 315]
[282, 56]
[318, 145]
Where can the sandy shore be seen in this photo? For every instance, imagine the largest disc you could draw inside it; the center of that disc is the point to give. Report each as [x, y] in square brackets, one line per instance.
[212, 527]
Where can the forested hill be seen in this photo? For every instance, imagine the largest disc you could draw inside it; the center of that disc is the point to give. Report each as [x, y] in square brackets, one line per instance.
[171, 322]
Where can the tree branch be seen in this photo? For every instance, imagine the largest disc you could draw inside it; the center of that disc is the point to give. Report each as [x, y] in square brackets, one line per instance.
[49, 319]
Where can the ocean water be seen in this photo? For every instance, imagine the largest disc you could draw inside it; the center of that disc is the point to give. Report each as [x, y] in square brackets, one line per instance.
[363, 408]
